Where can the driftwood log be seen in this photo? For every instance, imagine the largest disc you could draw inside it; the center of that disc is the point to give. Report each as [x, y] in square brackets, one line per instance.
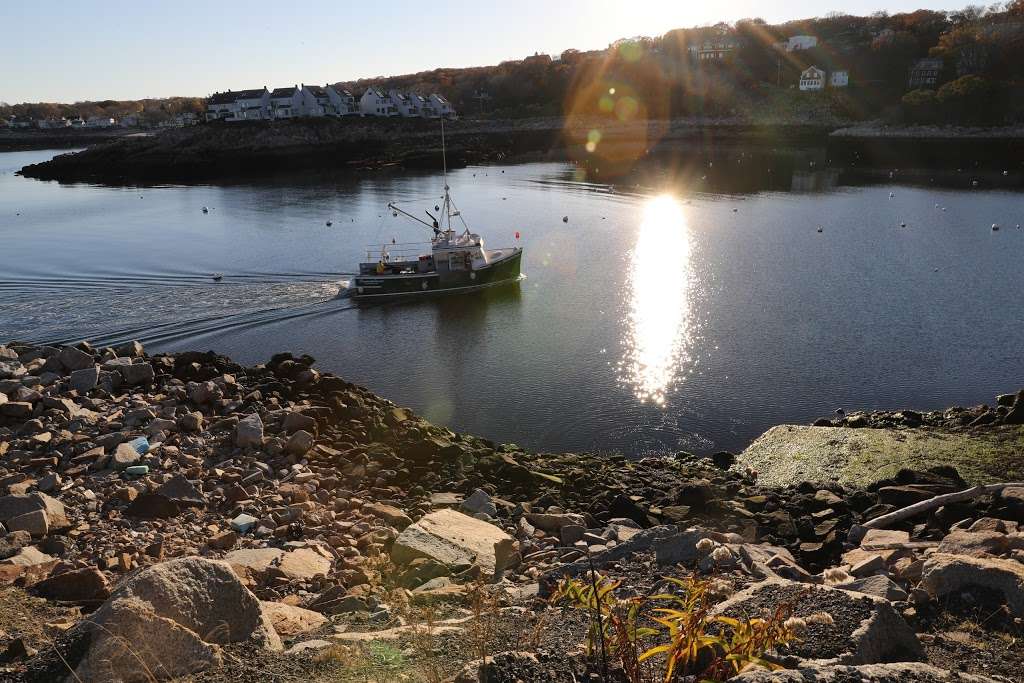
[936, 502]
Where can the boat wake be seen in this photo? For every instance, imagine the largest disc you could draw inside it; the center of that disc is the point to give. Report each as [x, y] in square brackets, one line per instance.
[161, 309]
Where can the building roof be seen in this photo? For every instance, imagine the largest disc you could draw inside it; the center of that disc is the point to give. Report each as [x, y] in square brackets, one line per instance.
[283, 92]
[233, 96]
[316, 90]
[928, 63]
[439, 98]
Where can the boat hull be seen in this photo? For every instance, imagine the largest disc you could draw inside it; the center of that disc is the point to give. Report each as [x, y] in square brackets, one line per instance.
[378, 287]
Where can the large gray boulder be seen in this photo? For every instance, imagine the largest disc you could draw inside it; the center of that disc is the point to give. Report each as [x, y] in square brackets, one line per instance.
[456, 540]
[944, 574]
[167, 621]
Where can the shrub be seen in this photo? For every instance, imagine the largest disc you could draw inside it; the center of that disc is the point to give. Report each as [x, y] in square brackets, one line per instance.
[684, 634]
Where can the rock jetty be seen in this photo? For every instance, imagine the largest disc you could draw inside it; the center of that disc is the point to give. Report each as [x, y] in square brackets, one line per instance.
[179, 515]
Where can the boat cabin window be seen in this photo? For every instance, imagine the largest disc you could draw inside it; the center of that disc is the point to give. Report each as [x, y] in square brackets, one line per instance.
[460, 260]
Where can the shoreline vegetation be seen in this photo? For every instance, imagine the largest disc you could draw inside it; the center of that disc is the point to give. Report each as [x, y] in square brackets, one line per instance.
[314, 530]
[265, 149]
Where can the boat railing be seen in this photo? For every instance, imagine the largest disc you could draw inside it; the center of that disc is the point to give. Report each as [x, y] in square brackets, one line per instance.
[400, 251]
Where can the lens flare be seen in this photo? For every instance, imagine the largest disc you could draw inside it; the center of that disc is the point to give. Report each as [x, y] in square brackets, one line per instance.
[659, 301]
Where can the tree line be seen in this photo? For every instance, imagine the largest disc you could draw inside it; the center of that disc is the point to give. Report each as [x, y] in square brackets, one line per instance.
[981, 81]
[149, 112]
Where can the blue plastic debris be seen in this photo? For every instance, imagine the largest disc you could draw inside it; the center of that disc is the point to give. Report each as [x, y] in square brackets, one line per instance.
[141, 445]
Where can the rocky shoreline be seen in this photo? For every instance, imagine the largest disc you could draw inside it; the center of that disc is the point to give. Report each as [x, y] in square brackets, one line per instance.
[180, 515]
[226, 151]
[21, 140]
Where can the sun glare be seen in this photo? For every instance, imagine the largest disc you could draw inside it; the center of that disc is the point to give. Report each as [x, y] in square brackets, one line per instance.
[659, 285]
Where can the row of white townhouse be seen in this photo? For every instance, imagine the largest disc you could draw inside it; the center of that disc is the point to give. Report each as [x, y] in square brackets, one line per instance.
[314, 100]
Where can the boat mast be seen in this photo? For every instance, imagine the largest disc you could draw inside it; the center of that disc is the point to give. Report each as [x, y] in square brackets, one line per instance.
[444, 165]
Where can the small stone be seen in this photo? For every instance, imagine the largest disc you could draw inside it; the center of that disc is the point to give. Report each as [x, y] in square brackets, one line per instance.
[223, 541]
[34, 522]
[191, 422]
[243, 523]
[138, 373]
[74, 359]
[86, 379]
[479, 501]
[137, 470]
[124, 456]
[249, 431]
[300, 443]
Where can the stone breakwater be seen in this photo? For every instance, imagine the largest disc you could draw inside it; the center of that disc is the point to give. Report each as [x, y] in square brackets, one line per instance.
[174, 515]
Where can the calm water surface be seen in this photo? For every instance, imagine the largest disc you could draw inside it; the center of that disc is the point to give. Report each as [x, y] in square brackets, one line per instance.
[659, 317]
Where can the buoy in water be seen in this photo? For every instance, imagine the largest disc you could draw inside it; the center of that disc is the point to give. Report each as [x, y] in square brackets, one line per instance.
[565, 219]
[217, 277]
[206, 210]
[820, 229]
[329, 224]
[903, 225]
[995, 226]
[891, 195]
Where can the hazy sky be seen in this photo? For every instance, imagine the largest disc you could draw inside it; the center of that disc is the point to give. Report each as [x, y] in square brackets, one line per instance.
[114, 49]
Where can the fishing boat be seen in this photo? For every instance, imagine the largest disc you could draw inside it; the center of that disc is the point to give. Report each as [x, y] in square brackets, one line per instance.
[453, 261]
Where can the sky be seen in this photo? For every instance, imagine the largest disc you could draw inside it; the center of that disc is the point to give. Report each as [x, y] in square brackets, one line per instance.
[115, 49]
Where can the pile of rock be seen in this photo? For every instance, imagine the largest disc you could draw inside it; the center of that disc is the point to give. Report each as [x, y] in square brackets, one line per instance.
[276, 496]
[1007, 410]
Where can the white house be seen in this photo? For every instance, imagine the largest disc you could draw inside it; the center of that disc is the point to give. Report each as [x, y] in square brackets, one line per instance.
[77, 122]
[712, 51]
[443, 107]
[425, 106]
[315, 101]
[375, 103]
[19, 122]
[800, 43]
[406, 105]
[240, 105]
[839, 79]
[99, 122]
[342, 101]
[285, 103]
[812, 78]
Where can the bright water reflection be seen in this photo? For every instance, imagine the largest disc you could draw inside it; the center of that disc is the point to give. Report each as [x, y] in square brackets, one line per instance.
[659, 298]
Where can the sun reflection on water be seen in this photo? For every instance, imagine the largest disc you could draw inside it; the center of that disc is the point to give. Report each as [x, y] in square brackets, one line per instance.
[659, 301]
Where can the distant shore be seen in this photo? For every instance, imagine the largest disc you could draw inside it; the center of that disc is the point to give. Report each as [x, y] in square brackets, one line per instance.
[222, 151]
[17, 140]
[227, 150]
